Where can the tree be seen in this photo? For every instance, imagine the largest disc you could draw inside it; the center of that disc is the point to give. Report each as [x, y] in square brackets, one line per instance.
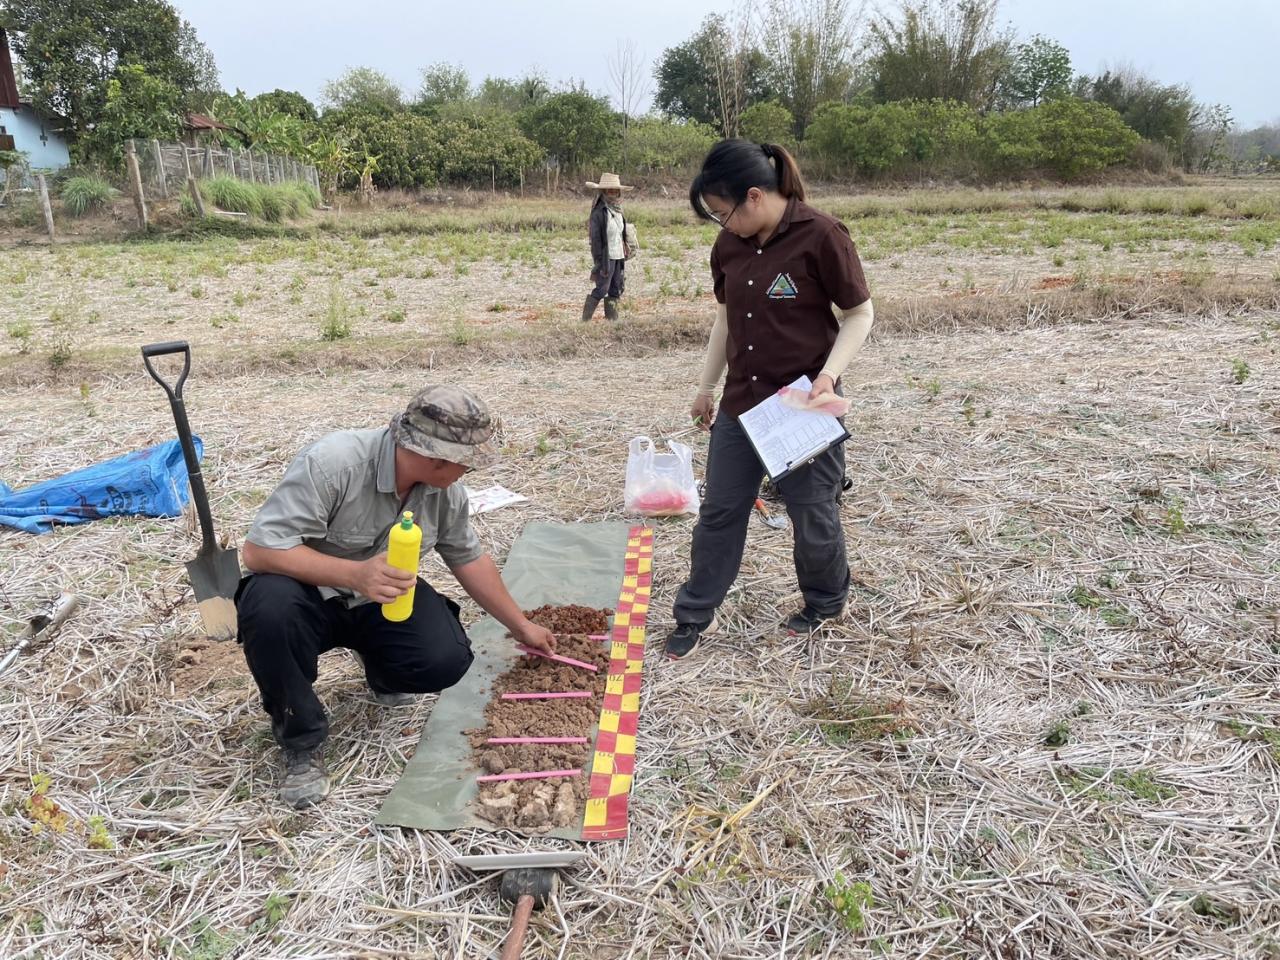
[713, 76]
[629, 80]
[1162, 113]
[72, 49]
[137, 105]
[363, 89]
[575, 128]
[443, 83]
[1041, 69]
[809, 46]
[1205, 149]
[511, 96]
[204, 85]
[256, 122]
[940, 49]
[288, 102]
[659, 145]
[1079, 137]
[768, 122]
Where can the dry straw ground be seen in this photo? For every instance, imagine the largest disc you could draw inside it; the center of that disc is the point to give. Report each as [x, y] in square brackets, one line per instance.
[1047, 726]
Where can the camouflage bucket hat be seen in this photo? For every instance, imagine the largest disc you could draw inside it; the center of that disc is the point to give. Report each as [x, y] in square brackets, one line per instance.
[447, 423]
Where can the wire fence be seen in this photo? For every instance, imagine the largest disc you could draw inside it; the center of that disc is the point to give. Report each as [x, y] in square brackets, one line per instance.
[165, 167]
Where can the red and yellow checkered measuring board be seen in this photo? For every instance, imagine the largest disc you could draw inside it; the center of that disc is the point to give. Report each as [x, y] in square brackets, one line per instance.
[614, 765]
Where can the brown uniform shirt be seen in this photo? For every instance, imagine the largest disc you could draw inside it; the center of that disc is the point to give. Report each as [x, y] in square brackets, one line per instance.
[778, 299]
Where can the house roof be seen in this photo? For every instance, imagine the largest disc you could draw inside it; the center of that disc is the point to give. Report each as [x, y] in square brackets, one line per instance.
[198, 121]
[8, 82]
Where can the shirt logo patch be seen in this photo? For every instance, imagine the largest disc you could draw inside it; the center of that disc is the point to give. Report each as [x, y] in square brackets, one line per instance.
[782, 288]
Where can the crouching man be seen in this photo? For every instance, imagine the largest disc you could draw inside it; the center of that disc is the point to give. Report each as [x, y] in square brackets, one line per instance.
[317, 556]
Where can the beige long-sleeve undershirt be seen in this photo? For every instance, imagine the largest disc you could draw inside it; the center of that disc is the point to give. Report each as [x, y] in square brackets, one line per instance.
[855, 324]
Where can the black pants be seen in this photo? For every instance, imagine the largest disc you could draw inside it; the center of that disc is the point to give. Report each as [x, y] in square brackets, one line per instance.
[811, 494]
[611, 281]
[285, 625]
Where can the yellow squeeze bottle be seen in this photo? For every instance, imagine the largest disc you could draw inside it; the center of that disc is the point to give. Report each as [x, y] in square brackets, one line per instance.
[404, 543]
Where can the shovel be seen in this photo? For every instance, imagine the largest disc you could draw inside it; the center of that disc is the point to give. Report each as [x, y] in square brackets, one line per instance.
[214, 573]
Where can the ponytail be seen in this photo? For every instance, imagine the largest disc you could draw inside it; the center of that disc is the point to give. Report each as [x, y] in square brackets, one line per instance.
[790, 183]
[735, 166]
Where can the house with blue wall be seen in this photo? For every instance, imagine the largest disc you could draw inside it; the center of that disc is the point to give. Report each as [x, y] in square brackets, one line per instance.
[22, 128]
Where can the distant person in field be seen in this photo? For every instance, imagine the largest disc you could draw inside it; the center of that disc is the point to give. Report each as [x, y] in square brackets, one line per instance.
[792, 301]
[611, 238]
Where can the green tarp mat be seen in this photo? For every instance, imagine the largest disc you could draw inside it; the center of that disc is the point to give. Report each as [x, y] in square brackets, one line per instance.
[556, 563]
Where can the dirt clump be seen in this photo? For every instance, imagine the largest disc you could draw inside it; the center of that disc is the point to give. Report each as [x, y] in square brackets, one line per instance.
[542, 805]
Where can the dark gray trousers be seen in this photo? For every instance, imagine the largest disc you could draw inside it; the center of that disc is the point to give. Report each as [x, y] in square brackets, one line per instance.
[611, 281]
[812, 496]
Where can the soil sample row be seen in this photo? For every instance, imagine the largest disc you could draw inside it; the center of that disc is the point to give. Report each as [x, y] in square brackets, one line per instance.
[542, 805]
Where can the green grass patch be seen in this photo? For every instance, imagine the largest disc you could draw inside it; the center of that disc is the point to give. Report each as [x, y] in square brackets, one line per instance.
[88, 194]
[844, 715]
[1097, 784]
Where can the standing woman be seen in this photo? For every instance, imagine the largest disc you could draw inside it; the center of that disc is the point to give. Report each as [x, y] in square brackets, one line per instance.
[607, 228]
[792, 300]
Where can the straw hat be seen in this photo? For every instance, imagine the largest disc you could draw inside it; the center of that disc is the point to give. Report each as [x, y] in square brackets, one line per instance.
[608, 181]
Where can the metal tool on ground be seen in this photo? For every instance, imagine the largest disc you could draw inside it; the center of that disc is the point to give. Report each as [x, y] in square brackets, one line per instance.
[43, 624]
[777, 523]
[528, 881]
[215, 572]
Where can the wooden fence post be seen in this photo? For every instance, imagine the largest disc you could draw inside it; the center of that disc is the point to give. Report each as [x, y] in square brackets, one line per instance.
[253, 177]
[135, 181]
[194, 187]
[44, 204]
[208, 161]
[160, 175]
[186, 160]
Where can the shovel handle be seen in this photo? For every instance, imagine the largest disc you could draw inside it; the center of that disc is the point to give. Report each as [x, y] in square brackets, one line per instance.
[198, 493]
[514, 943]
[160, 350]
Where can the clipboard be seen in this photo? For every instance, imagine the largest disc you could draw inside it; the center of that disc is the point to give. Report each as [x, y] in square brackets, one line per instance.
[786, 439]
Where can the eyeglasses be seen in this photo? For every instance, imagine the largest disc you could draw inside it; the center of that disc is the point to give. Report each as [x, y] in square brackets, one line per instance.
[716, 217]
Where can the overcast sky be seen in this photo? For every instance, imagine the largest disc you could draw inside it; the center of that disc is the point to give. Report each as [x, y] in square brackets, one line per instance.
[1225, 50]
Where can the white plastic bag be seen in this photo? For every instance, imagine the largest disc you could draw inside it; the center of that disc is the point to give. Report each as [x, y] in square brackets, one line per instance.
[660, 484]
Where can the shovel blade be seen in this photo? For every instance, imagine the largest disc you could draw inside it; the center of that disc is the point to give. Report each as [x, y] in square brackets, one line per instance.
[215, 575]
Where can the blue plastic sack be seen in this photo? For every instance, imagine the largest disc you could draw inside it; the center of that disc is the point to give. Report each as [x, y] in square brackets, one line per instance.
[148, 483]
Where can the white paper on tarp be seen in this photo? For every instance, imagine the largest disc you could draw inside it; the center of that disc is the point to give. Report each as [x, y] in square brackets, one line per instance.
[784, 436]
[491, 498]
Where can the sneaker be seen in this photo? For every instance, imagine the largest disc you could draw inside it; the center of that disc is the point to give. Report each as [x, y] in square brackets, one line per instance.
[807, 621]
[683, 640]
[306, 781]
[393, 699]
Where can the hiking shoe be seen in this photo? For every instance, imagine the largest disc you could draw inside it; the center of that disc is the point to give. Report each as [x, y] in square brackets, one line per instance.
[306, 781]
[393, 699]
[807, 621]
[683, 640]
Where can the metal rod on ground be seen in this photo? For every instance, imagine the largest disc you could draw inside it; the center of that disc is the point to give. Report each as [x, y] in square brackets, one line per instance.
[44, 204]
[135, 181]
[45, 623]
[196, 196]
[164, 182]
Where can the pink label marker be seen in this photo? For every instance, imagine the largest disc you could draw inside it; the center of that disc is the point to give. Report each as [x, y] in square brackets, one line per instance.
[557, 658]
[536, 740]
[547, 696]
[532, 775]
